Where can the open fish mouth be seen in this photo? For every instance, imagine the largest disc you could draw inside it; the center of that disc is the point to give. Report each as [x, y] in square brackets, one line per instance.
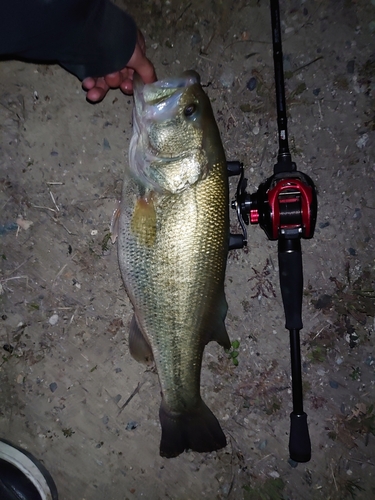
[157, 101]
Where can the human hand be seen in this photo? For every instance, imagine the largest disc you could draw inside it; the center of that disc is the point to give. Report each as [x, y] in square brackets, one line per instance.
[97, 88]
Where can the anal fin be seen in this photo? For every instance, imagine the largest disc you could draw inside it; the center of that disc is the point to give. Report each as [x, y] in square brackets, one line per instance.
[139, 346]
[218, 332]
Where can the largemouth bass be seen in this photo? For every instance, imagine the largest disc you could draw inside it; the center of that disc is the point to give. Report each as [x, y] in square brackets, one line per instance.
[172, 245]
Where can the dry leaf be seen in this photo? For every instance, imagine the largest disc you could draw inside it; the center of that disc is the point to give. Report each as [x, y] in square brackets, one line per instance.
[23, 223]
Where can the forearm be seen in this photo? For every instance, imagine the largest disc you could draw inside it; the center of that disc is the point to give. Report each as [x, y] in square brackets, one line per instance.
[87, 37]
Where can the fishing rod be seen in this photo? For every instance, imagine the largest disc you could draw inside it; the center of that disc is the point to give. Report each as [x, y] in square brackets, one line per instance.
[285, 207]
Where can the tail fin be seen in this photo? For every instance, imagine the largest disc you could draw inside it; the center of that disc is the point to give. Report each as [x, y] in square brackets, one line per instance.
[198, 430]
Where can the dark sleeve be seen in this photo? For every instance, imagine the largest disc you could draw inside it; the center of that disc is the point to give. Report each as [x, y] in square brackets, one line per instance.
[86, 37]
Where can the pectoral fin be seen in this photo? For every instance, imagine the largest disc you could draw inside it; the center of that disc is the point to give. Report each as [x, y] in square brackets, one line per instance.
[139, 346]
[143, 223]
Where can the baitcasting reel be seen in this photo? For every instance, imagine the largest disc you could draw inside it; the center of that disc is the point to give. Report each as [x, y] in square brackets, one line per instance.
[285, 206]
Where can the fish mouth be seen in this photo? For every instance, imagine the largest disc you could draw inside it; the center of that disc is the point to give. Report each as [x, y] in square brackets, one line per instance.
[156, 101]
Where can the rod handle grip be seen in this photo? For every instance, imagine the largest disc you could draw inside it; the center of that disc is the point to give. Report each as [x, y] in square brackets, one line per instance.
[299, 438]
[291, 281]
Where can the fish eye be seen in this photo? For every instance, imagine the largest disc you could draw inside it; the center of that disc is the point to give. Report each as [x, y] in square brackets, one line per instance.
[190, 109]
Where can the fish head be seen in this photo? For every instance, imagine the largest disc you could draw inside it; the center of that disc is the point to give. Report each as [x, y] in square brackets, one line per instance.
[174, 133]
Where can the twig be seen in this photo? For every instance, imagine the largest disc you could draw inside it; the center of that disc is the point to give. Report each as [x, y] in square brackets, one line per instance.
[307, 64]
[72, 318]
[59, 273]
[53, 199]
[243, 41]
[334, 479]
[43, 208]
[16, 268]
[55, 219]
[136, 390]
[14, 278]
[8, 200]
[204, 49]
[183, 12]
[319, 332]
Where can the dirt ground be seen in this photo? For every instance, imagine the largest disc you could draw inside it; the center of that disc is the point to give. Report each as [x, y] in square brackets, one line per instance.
[69, 390]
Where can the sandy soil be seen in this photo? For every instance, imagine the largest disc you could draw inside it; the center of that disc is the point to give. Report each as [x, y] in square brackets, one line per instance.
[69, 390]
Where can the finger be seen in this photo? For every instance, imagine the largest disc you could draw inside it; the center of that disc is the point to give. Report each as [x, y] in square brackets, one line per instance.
[141, 41]
[88, 83]
[113, 80]
[127, 86]
[142, 66]
[97, 93]
[146, 71]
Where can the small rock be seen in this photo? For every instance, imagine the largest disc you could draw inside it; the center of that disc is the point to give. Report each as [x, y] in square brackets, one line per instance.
[225, 489]
[262, 445]
[53, 386]
[350, 67]
[362, 141]
[105, 419]
[195, 39]
[333, 384]
[322, 225]
[274, 474]
[130, 426]
[252, 83]
[352, 339]
[370, 360]
[352, 251]
[287, 65]
[227, 79]
[53, 319]
[106, 144]
[357, 213]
